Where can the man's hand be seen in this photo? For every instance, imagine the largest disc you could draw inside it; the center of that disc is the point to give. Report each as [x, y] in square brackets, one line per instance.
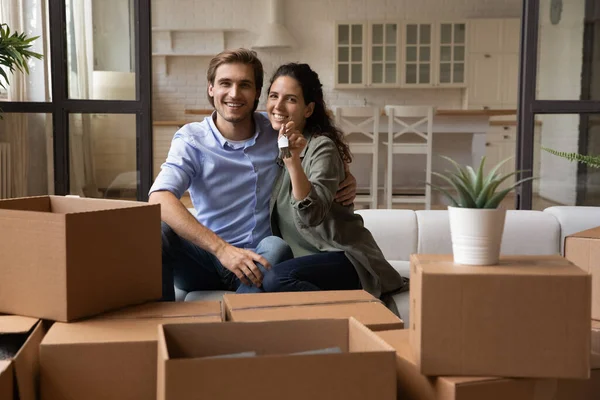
[347, 190]
[242, 263]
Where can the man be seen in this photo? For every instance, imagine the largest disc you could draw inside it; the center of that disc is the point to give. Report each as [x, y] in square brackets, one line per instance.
[229, 164]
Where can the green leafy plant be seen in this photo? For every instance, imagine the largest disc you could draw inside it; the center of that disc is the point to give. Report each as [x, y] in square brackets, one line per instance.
[475, 189]
[592, 161]
[14, 53]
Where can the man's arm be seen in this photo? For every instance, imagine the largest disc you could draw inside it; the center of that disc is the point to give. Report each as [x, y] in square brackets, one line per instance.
[347, 190]
[239, 261]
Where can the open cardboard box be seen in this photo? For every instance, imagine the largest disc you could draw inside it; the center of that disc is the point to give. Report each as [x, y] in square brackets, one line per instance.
[365, 368]
[310, 305]
[65, 258]
[113, 356]
[583, 250]
[20, 338]
[493, 320]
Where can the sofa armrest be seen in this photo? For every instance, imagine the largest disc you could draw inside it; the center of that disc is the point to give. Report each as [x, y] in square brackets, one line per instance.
[573, 219]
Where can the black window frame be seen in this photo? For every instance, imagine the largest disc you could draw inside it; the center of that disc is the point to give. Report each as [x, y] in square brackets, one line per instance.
[60, 107]
[529, 105]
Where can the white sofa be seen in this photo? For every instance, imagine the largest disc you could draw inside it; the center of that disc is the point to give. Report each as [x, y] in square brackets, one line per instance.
[401, 233]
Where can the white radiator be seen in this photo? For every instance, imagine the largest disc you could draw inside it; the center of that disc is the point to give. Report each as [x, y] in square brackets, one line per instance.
[5, 177]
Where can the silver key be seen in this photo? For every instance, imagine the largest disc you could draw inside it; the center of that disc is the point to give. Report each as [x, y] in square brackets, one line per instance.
[284, 147]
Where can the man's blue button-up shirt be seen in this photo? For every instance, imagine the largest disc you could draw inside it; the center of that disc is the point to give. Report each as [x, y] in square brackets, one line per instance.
[229, 182]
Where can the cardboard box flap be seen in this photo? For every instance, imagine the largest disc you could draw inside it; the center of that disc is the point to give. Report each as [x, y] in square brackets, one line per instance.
[6, 380]
[237, 302]
[16, 324]
[593, 233]
[167, 310]
[4, 365]
[114, 330]
[75, 205]
[38, 203]
[27, 364]
[507, 266]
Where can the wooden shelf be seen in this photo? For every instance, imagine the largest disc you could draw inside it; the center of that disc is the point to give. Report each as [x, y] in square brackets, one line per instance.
[213, 38]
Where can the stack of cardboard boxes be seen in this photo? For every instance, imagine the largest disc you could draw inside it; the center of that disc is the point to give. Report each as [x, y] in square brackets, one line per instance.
[63, 259]
[520, 330]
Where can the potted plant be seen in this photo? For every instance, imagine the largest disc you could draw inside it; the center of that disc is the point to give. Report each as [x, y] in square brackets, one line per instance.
[591, 161]
[14, 53]
[476, 218]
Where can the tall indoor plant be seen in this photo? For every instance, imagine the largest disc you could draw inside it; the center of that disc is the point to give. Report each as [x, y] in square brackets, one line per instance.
[476, 218]
[14, 53]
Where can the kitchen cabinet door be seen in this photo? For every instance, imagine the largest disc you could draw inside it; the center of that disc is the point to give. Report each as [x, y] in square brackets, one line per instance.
[452, 54]
[485, 35]
[511, 35]
[510, 80]
[485, 81]
[350, 55]
[384, 57]
[418, 54]
[501, 144]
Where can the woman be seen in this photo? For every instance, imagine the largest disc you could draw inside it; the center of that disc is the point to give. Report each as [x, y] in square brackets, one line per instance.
[332, 248]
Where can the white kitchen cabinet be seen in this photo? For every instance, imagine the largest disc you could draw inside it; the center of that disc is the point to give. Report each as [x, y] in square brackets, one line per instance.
[451, 60]
[383, 54]
[351, 55]
[418, 54]
[485, 36]
[501, 143]
[509, 91]
[391, 54]
[493, 63]
[485, 80]
[511, 35]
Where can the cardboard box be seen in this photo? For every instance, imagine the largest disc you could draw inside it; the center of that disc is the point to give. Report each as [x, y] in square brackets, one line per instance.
[412, 385]
[65, 258]
[311, 305]
[596, 337]
[20, 338]
[365, 368]
[583, 250]
[6, 380]
[529, 316]
[112, 356]
[578, 389]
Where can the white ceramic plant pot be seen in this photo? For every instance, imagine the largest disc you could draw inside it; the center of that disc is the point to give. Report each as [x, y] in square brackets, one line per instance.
[476, 234]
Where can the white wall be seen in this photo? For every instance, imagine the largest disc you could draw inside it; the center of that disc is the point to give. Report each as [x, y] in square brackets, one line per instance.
[559, 78]
[311, 22]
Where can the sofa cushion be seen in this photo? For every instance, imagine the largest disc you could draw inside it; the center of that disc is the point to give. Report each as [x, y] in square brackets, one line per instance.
[206, 295]
[395, 231]
[525, 232]
[402, 266]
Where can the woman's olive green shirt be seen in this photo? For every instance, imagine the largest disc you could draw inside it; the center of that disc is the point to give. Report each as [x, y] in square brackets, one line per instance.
[330, 226]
